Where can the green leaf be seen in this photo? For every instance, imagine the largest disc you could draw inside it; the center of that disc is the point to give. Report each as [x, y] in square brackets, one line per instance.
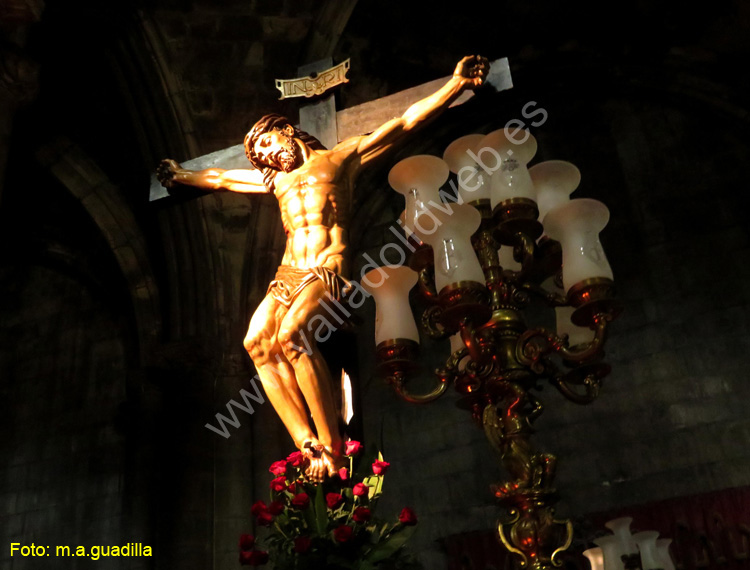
[383, 530]
[388, 548]
[321, 511]
[309, 515]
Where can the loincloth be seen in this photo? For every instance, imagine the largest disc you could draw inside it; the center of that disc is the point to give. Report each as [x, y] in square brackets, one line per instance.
[290, 281]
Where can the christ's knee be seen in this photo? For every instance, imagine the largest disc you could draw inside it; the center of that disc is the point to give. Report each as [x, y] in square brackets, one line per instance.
[294, 344]
[260, 348]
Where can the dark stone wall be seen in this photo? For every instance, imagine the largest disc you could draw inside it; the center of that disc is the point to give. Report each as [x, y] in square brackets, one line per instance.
[121, 321]
[69, 471]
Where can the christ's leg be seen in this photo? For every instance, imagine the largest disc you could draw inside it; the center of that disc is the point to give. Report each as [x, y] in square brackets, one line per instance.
[274, 370]
[297, 340]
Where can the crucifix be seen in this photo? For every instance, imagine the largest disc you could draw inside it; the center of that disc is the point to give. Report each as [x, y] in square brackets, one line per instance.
[313, 185]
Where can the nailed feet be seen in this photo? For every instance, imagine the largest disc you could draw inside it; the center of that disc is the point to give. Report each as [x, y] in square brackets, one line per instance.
[322, 461]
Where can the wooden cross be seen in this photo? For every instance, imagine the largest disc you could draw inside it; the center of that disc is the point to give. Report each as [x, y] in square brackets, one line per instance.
[321, 119]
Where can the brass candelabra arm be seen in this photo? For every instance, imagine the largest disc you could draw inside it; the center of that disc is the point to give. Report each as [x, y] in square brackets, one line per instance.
[397, 362]
[534, 344]
[398, 381]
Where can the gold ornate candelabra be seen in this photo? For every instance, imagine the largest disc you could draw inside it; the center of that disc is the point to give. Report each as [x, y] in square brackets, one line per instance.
[513, 236]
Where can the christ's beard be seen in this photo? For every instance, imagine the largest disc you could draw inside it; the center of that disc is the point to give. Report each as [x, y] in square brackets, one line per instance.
[288, 159]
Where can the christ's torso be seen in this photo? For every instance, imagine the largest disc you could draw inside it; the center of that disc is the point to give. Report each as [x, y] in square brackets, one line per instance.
[314, 200]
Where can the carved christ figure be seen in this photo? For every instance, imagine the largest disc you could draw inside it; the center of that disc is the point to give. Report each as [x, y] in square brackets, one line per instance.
[313, 186]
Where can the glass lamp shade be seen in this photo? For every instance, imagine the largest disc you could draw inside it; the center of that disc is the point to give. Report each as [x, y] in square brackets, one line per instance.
[509, 151]
[554, 181]
[576, 225]
[623, 538]
[407, 229]
[662, 548]
[576, 335]
[596, 558]
[390, 285]
[473, 183]
[646, 541]
[448, 230]
[610, 553]
[418, 178]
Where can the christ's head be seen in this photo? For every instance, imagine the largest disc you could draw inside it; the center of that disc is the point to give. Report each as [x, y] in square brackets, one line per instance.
[273, 145]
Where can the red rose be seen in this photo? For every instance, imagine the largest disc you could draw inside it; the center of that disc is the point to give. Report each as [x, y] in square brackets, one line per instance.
[278, 467]
[343, 473]
[353, 447]
[343, 533]
[292, 488]
[296, 459]
[360, 489]
[276, 508]
[361, 515]
[278, 484]
[264, 519]
[253, 558]
[258, 507]
[247, 541]
[301, 501]
[407, 517]
[334, 500]
[302, 544]
[380, 467]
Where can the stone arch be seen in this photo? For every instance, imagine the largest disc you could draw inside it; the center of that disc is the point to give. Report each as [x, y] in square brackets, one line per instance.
[102, 200]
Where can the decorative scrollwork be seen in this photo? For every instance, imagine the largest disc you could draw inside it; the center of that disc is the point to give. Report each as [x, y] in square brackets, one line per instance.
[427, 284]
[590, 384]
[454, 360]
[486, 248]
[530, 537]
[519, 297]
[534, 344]
[430, 321]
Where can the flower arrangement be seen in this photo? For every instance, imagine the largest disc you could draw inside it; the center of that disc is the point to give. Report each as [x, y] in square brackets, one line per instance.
[328, 525]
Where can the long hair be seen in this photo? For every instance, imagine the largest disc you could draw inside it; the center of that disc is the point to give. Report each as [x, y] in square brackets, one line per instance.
[266, 124]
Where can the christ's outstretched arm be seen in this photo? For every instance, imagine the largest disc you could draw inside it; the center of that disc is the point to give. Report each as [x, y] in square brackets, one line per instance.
[171, 173]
